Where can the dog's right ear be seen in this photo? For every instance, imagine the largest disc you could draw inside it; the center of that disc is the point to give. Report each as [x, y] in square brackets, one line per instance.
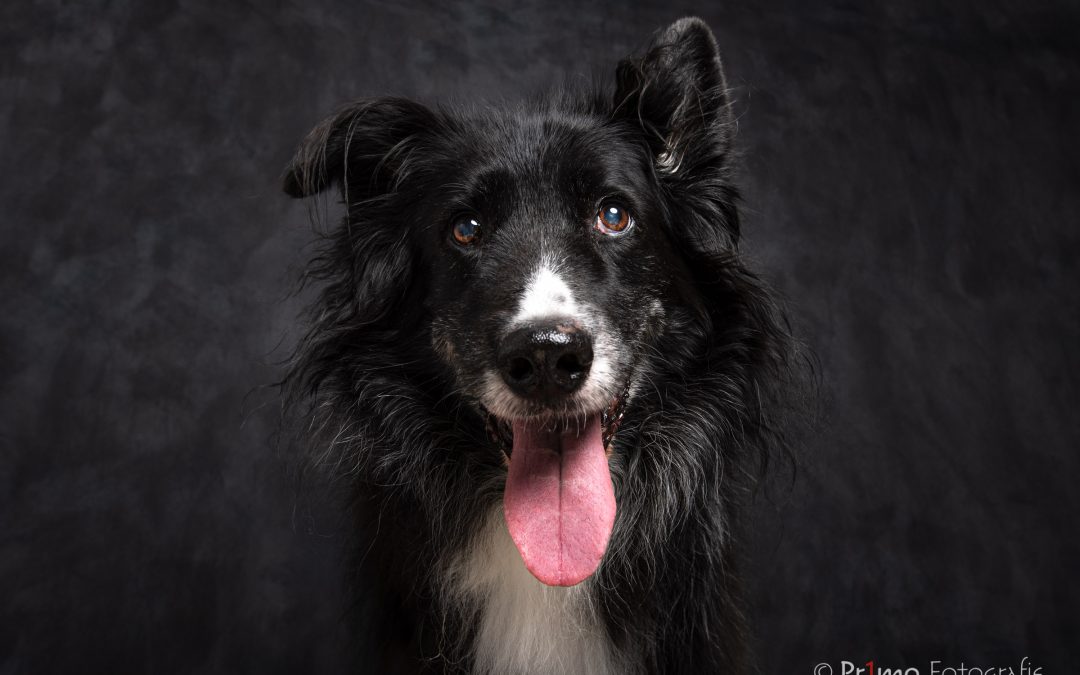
[361, 148]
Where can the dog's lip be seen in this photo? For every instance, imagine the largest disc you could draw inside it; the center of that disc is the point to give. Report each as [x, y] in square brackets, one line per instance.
[500, 429]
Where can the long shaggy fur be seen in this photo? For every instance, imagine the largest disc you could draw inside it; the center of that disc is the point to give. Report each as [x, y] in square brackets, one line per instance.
[386, 416]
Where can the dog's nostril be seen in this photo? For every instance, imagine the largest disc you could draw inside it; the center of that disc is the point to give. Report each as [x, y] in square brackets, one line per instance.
[520, 369]
[572, 366]
[569, 363]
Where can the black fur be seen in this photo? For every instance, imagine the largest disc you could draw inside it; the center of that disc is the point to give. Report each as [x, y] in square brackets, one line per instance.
[402, 328]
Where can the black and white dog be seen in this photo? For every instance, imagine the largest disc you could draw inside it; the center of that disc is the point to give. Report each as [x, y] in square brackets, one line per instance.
[539, 360]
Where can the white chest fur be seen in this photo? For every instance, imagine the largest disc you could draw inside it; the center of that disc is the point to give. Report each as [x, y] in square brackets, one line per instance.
[525, 627]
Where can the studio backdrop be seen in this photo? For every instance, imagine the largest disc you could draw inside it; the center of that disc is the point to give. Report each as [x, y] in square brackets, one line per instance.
[909, 177]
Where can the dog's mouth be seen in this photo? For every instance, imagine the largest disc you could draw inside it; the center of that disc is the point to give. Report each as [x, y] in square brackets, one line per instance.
[559, 501]
[501, 431]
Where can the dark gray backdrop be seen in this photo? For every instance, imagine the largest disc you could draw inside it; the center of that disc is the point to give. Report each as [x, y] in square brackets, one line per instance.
[911, 178]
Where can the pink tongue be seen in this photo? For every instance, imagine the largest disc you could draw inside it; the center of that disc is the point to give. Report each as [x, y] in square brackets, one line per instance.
[559, 502]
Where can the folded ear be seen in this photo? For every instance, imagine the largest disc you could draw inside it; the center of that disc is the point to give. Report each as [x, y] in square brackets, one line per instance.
[677, 95]
[362, 148]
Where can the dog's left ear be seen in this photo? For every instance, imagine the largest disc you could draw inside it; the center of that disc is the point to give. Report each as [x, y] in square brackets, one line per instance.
[361, 149]
[676, 93]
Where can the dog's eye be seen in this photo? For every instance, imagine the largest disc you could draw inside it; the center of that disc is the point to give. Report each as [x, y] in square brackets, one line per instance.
[467, 231]
[614, 219]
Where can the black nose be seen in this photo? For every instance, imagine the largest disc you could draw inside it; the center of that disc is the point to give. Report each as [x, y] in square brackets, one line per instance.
[545, 360]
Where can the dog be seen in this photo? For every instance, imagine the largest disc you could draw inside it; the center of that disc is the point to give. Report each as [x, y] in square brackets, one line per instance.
[545, 373]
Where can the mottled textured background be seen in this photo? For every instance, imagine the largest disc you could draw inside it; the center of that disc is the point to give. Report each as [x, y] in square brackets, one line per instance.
[912, 188]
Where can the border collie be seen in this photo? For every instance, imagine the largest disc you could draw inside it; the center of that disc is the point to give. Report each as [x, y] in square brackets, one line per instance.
[539, 361]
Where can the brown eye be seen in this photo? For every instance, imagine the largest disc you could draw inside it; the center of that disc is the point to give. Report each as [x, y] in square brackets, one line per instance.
[614, 219]
[467, 231]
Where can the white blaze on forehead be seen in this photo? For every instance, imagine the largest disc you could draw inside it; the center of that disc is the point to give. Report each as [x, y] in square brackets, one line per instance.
[545, 295]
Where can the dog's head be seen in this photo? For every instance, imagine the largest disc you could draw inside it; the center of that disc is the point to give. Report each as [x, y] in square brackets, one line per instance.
[550, 249]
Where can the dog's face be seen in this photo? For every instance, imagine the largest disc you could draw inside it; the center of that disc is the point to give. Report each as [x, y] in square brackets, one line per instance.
[548, 263]
[548, 248]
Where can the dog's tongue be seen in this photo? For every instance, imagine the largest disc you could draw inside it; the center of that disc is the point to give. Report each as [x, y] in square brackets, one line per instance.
[559, 501]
